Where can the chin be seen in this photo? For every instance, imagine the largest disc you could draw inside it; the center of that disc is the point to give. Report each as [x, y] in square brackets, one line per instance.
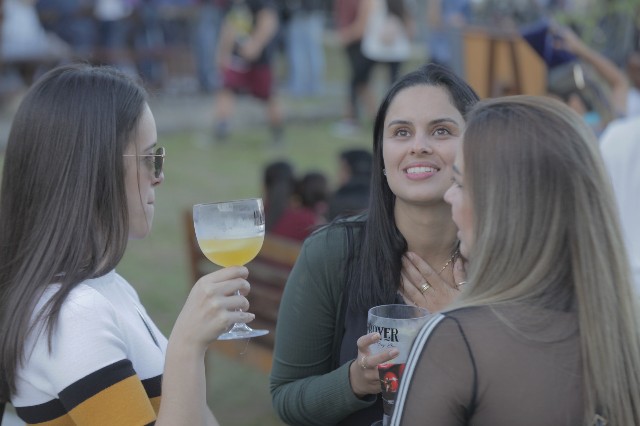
[139, 232]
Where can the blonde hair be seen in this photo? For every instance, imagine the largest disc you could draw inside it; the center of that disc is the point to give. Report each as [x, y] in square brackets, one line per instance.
[547, 234]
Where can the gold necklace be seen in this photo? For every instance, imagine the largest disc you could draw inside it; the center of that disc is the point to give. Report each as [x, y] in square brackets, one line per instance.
[453, 256]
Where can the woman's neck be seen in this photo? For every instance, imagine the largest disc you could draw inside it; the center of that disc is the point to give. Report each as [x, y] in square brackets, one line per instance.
[429, 230]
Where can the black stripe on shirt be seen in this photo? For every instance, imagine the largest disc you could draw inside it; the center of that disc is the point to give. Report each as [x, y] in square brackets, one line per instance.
[94, 383]
[41, 413]
[153, 386]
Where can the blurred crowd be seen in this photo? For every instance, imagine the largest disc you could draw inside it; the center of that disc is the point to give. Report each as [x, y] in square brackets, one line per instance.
[262, 48]
[296, 205]
[136, 35]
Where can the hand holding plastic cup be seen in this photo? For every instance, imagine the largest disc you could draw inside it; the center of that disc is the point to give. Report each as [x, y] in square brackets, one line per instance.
[398, 326]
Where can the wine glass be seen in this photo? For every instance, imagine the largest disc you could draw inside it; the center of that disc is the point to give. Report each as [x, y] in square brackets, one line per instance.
[231, 233]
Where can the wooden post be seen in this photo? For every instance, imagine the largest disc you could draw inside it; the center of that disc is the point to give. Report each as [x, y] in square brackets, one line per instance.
[501, 63]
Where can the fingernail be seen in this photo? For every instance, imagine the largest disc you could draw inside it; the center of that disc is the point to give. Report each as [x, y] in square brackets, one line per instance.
[394, 353]
[375, 337]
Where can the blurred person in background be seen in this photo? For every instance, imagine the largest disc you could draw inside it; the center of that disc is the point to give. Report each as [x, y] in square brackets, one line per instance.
[580, 76]
[245, 56]
[114, 25]
[354, 180]
[149, 42]
[278, 186]
[350, 25]
[303, 31]
[306, 209]
[206, 36]
[620, 147]
[388, 33]
[613, 76]
[445, 21]
[633, 74]
[508, 14]
[72, 21]
[26, 48]
[616, 30]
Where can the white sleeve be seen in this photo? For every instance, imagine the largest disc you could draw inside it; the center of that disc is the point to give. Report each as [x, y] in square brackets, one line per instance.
[86, 338]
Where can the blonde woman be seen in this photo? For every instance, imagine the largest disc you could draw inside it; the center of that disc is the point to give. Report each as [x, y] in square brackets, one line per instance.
[546, 332]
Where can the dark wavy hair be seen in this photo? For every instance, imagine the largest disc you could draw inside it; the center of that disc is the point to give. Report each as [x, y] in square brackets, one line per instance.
[373, 273]
[279, 185]
[63, 206]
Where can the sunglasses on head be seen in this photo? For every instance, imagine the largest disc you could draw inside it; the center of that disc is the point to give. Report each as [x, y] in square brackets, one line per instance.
[157, 159]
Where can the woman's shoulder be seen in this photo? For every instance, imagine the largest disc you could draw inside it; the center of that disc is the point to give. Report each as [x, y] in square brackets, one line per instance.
[469, 314]
[514, 322]
[342, 226]
[92, 295]
[336, 235]
[472, 319]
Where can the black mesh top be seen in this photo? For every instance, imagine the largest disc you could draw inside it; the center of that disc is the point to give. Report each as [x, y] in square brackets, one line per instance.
[494, 366]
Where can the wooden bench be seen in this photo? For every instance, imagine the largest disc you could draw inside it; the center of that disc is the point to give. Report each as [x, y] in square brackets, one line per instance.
[268, 273]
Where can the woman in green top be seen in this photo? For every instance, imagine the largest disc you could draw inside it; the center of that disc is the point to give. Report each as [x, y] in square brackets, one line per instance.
[403, 250]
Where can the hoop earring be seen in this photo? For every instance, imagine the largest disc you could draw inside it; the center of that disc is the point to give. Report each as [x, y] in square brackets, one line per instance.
[384, 172]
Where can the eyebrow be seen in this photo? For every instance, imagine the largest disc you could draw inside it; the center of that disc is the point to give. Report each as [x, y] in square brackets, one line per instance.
[431, 123]
[444, 120]
[151, 146]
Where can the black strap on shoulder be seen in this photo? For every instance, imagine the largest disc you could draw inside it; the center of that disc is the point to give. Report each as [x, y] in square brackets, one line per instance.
[474, 391]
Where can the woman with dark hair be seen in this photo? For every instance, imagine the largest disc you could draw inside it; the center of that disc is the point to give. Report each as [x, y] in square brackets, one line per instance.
[306, 209]
[76, 346]
[352, 196]
[547, 331]
[402, 250]
[279, 183]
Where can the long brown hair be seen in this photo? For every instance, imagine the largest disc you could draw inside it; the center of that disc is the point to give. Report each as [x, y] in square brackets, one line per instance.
[375, 262]
[547, 233]
[63, 210]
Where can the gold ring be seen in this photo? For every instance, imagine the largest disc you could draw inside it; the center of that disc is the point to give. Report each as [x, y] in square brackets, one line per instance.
[424, 287]
[363, 362]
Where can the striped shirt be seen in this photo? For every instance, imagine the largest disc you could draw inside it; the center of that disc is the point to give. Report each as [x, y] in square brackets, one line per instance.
[105, 365]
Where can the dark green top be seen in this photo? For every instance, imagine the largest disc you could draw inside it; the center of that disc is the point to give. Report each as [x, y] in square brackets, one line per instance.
[306, 386]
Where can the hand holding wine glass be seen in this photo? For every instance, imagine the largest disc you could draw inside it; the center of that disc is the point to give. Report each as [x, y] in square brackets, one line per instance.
[231, 234]
[216, 301]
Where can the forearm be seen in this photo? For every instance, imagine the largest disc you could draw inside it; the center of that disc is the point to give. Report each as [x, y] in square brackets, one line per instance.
[266, 28]
[184, 400]
[355, 31]
[317, 400]
[614, 77]
[306, 386]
